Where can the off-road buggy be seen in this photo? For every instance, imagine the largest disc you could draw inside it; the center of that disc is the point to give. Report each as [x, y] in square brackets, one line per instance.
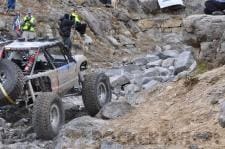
[39, 73]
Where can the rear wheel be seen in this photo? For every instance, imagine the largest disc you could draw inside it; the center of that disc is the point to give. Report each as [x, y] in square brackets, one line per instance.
[96, 92]
[48, 115]
[12, 81]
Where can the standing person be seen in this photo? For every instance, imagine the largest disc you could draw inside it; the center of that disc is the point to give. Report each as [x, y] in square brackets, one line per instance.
[17, 24]
[65, 26]
[215, 7]
[11, 5]
[79, 26]
[28, 26]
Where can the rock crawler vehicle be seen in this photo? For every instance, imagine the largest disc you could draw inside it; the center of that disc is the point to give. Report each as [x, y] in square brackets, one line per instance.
[39, 73]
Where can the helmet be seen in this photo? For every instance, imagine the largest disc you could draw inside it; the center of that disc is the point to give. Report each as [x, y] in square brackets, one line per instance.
[29, 10]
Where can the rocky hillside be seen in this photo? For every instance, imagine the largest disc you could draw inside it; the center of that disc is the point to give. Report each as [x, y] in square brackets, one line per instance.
[153, 58]
[179, 115]
[135, 27]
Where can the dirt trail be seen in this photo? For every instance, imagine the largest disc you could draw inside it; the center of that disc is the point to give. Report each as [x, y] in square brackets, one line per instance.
[177, 115]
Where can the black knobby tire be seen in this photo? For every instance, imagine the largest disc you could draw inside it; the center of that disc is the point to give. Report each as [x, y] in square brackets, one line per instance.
[41, 118]
[13, 81]
[90, 92]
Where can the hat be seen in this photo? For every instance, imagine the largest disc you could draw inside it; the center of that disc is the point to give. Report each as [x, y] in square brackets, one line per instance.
[29, 10]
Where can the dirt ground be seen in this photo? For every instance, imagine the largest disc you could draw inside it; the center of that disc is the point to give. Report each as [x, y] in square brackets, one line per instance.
[177, 116]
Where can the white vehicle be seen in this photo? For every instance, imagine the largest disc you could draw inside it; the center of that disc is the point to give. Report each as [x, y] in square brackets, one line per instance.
[169, 3]
[39, 73]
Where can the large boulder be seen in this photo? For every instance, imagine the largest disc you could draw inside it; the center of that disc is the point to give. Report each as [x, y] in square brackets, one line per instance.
[150, 6]
[99, 20]
[183, 61]
[132, 5]
[206, 33]
[150, 85]
[203, 28]
[118, 81]
[81, 132]
[115, 109]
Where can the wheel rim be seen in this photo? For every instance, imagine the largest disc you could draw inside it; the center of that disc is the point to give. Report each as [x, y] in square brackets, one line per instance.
[54, 116]
[3, 77]
[102, 93]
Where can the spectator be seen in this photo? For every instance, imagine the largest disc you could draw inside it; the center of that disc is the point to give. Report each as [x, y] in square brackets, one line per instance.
[215, 7]
[28, 26]
[17, 24]
[11, 5]
[65, 26]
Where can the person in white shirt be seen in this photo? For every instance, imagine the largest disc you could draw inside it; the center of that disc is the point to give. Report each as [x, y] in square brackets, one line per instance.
[17, 24]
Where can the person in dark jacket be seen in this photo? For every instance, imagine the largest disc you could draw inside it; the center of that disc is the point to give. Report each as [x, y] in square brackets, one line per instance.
[65, 26]
[215, 7]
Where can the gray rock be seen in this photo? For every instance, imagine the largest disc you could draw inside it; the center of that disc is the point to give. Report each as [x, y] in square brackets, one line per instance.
[162, 78]
[113, 72]
[21, 145]
[214, 101]
[132, 6]
[110, 145]
[182, 74]
[172, 69]
[222, 115]
[119, 81]
[114, 97]
[168, 62]
[195, 32]
[93, 21]
[21, 122]
[137, 80]
[87, 39]
[193, 66]
[172, 38]
[154, 64]
[193, 146]
[151, 72]
[113, 41]
[151, 58]
[163, 71]
[140, 61]
[150, 85]
[133, 27]
[131, 68]
[82, 131]
[131, 89]
[122, 15]
[171, 53]
[145, 80]
[117, 90]
[130, 50]
[125, 40]
[167, 47]
[183, 61]
[204, 136]
[2, 123]
[150, 6]
[115, 109]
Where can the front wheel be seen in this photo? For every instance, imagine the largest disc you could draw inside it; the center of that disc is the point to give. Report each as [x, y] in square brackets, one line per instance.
[48, 115]
[96, 92]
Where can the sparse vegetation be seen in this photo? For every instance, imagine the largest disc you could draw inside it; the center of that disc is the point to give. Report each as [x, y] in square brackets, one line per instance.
[201, 68]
